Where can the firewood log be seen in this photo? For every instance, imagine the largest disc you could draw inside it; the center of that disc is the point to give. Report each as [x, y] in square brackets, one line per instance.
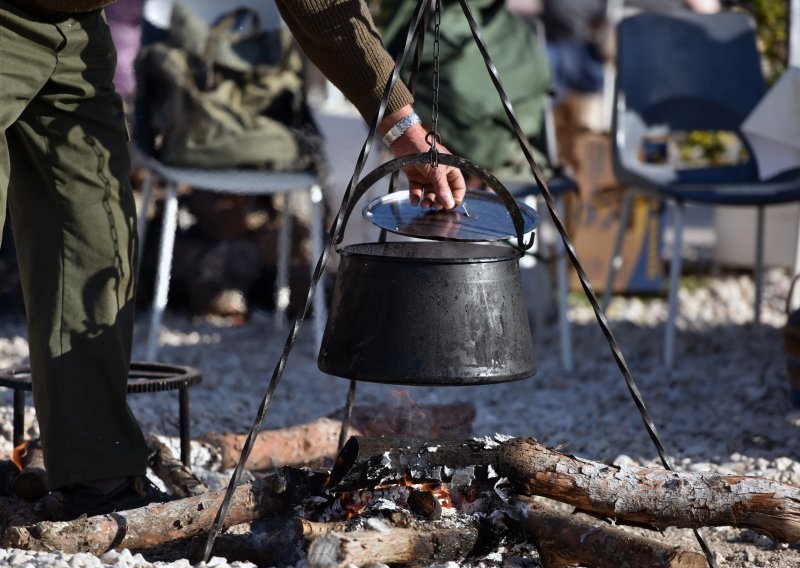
[651, 496]
[310, 530]
[31, 483]
[264, 542]
[297, 445]
[319, 439]
[392, 545]
[154, 524]
[579, 539]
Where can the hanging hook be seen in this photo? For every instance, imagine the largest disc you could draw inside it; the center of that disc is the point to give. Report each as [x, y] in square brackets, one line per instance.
[433, 138]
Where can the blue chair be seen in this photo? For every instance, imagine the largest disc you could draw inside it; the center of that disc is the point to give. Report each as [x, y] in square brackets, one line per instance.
[682, 72]
[156, 16]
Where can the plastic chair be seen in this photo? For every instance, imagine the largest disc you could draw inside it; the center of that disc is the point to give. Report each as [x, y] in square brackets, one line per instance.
[681, 72]
[156, 15]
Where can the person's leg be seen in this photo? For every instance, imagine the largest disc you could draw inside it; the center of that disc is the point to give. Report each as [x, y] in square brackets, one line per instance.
[74, 222]
[23, 72]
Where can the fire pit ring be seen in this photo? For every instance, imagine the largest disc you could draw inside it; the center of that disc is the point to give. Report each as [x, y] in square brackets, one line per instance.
[143, 377]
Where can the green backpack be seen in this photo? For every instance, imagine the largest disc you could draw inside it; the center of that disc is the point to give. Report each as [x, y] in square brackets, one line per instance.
[217, 97]
[472, 121]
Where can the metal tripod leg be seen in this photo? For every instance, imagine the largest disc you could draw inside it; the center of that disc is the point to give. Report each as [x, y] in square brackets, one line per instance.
[348, 411]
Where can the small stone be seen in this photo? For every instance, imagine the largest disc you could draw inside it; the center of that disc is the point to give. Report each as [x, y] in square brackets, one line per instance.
[783, 464]
[110, 557]
[217, 561]
[19, 558]
[625, 461]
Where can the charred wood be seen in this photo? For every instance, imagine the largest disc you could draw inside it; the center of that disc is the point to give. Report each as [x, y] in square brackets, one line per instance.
[178, 478]
[653, 497]
[264, 542]
[366, 461]
[31, 483]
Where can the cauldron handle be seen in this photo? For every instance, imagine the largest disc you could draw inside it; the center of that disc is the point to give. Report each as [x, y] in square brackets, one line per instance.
[449, 160]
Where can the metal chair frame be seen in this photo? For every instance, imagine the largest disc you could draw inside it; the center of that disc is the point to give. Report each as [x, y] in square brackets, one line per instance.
[688, 71]
[234, 181]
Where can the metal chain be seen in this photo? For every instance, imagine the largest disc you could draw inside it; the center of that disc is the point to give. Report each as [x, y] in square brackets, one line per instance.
[433, 136]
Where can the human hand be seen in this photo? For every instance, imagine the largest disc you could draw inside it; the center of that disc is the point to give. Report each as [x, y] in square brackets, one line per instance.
[441, 187]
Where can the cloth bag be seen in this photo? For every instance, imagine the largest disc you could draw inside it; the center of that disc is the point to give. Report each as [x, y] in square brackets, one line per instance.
[227, 95]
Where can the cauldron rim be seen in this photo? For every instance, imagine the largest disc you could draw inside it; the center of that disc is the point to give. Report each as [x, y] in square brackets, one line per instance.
[442, 252]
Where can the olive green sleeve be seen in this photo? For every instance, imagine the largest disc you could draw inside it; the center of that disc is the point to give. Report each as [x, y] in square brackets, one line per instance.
[340, 38]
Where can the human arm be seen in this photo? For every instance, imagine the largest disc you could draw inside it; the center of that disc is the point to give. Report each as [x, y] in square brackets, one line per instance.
[339, 37]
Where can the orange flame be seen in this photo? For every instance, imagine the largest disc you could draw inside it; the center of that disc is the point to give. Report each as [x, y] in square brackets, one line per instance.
[17, 453]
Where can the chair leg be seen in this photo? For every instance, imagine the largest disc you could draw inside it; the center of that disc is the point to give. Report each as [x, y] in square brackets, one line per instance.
[141, 219]
[282, 290]
[317, 246]
[616, 257]
[166, 248]
[563, 306]
[759, 264]
[674, 283]
[794, 299]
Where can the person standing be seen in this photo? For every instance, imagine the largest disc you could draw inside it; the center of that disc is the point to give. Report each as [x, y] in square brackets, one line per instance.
[65, 175]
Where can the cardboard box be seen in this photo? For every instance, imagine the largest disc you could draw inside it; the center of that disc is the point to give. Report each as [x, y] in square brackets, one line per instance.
[596, 225]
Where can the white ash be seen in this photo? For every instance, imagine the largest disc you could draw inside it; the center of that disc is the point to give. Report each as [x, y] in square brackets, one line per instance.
[723, 408]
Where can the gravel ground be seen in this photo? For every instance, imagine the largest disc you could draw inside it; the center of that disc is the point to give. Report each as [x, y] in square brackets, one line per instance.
[724, 408]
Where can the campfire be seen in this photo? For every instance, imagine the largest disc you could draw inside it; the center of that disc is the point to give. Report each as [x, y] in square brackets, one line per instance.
[415, 502]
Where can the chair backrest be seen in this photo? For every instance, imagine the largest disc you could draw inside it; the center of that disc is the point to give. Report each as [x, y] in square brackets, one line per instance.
[682, 71]
[157, 13]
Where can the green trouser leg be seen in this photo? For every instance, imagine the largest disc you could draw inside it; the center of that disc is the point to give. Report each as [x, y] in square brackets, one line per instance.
[64, 165]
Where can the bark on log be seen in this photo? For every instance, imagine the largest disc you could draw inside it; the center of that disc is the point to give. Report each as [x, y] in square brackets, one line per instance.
[365, 460]
[408, 547]
[296, 446]
[654, 497]
[178, 479]
[155, 524]
[583, 540]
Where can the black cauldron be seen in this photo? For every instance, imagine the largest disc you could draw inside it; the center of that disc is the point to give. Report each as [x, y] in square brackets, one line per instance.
[430, 313]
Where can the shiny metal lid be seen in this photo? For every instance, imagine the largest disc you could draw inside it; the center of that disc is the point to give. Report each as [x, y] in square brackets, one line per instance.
[482, 216]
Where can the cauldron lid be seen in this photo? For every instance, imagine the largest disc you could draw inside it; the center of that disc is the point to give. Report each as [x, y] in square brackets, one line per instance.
[482, 217]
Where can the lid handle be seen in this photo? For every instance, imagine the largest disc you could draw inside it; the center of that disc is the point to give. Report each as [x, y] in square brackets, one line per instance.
[449, 160]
